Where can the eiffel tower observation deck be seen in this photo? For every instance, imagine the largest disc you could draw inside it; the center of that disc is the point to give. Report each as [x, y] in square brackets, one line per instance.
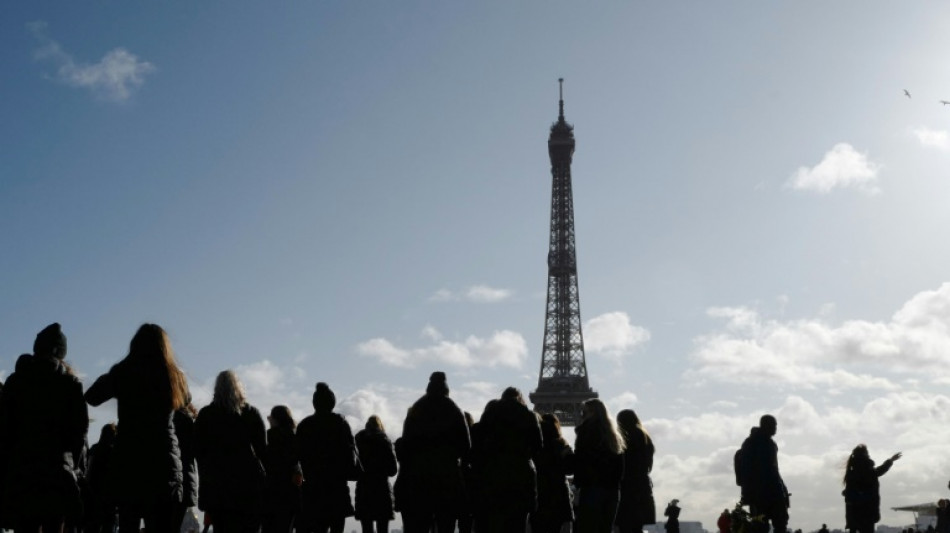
[562, 385]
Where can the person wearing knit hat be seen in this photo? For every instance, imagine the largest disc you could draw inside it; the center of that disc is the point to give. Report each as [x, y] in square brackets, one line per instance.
[437, 384]
[42, 397]
[323, 398]
[434, 440]
[328, 458]
[50, 342]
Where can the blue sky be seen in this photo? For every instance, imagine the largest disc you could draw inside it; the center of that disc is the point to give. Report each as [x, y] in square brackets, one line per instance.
[359, 194]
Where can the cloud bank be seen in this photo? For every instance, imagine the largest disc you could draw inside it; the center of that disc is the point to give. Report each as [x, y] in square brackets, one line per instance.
[503, 348]
[813, 353]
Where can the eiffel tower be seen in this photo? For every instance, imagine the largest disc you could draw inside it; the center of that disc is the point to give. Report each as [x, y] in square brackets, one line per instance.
[562, 384]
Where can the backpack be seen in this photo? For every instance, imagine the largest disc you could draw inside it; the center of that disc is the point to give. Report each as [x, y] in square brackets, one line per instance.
[740, 467]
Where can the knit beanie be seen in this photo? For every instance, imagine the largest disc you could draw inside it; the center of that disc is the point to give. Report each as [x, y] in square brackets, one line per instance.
[437, 385]
[50, 340]
[323, 398]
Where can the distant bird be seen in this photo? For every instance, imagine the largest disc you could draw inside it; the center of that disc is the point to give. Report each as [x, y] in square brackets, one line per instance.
[906, 93]
[945, 102]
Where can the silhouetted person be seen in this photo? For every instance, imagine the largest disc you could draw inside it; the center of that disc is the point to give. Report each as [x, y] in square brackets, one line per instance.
[374, 493]
[466, 517]
[862, 496]
[475, 491]
[725, 522]
[148, 387]
[229, 441]
[2, 473]
[434, 440]
[943, 516]
[762, 485]
[598, 452]
[43, 424]
[509, 437]
[637, 506]
[672, 514]
[100, 508]
[328, 458]
[824, 529]
[282, 488]
[554, 462]
[184, 420]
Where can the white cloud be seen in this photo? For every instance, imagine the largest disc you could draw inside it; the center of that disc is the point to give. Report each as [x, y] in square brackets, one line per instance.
[939, 139]
[115, 77]
[841, 167]
[813, 353]
[486, 294]
[442, 295]
[475, 293]
[502, 348]
[624, 400]
[612, 335]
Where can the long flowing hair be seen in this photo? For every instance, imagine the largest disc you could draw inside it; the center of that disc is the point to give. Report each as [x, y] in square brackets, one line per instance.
[858, 460]
[629, 424]
[605, 425]
[375, 423]
[228, 392]
[152, 357]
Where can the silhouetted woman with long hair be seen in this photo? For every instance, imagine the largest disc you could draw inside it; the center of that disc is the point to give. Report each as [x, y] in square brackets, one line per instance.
[862, 496]
[229, 442]
[149, 387]
[598, 454]
[374, 493]
[282, 488]
[637, 506]
[554, 462]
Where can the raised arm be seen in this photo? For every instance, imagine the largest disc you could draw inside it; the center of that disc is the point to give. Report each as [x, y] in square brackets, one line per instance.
[102, 390]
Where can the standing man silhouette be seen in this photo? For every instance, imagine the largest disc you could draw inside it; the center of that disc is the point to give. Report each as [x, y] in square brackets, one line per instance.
[762, 485]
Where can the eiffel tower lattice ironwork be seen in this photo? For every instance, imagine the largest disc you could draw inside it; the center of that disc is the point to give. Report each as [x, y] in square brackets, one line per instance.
[562, 385]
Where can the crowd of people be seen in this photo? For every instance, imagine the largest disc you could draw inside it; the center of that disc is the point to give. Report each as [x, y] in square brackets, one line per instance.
[508, 470]
[499, 474]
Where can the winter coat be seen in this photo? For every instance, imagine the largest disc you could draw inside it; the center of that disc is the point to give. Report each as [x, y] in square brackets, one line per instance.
[637, 506]
[43, 425]
[554, 462]
[764, 485]
[328, 458]
[594, 464]
[229, 446]
[281, 493]
[147, 467]
[508, 438]
[374, 493]
[862, 493]
[185, 430]
[434, 440]
[100, 493]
